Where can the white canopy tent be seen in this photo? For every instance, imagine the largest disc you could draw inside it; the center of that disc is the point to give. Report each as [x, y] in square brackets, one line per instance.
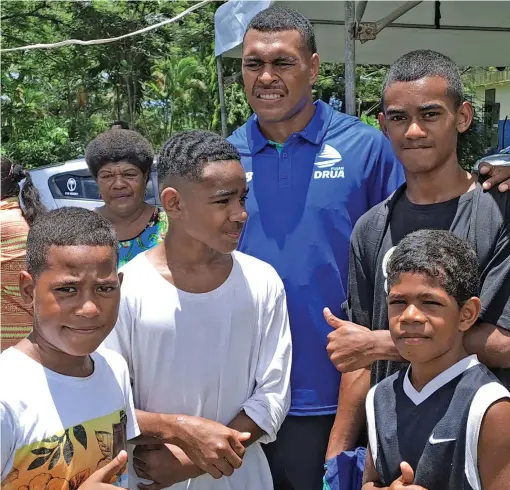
[472, 33]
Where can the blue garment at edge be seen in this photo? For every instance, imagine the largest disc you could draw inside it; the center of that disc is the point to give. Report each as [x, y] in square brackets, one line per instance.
[303, 204]
[345, 471]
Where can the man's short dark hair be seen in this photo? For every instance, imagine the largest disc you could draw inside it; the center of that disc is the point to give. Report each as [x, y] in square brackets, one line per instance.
[278, 18]
[186, 154]
[426, 63]
[66, 227]
[118, 145]
[439, 255]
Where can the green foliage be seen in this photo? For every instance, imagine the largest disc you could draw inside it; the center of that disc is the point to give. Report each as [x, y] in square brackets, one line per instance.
[370, 120]
[472, 144]
[170, 94]
[54, 101]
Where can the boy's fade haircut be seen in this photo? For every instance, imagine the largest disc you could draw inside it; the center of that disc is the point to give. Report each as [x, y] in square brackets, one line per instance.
[118, 145]
[422, 63]
[66, 227]
[441, 256]
[186, 154]
[278, 18]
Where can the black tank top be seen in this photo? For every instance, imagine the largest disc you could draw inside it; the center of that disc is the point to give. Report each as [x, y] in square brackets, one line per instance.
[435, 430]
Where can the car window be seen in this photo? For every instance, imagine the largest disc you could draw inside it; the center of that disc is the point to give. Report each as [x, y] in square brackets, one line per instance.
[74, 185]
[506, 151]
[81, 185]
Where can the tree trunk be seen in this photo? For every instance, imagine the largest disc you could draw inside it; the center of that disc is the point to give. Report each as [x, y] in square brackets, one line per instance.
[117, 89]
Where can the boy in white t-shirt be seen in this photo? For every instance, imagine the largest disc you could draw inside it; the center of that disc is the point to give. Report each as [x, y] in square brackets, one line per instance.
[67, 410]
[205, 330]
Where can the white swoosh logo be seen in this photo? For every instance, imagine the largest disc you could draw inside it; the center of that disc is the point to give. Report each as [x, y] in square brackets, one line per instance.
[433, 440]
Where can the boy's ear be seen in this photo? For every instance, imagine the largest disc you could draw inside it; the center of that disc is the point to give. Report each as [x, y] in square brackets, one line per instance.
[469, 313]
[382, 122]
[464, 117]
[26, 287]
[121, 277]
[171, 202]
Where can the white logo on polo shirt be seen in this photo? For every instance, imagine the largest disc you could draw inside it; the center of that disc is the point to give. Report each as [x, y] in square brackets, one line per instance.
[327, 158]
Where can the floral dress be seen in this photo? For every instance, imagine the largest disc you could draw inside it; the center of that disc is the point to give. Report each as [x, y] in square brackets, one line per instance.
[153, 234]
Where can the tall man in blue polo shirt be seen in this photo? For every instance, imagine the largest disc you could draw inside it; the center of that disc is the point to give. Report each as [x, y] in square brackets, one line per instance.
[312, 173]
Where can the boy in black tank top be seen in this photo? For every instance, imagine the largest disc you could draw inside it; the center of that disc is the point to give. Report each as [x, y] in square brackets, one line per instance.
[441, 423]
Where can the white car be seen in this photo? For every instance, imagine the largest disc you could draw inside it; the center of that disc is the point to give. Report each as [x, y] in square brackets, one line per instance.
[71, 184]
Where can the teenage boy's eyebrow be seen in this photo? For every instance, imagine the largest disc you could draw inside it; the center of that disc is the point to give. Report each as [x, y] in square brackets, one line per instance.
[428, 107]
[392, 111]
[396, 296]
[72, 281]
[223, 193]
[433, 296]
[65, 281]
[421, 296]
[228, 193]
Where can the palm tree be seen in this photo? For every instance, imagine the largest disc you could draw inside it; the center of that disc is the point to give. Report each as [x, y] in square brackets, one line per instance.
[177, 92]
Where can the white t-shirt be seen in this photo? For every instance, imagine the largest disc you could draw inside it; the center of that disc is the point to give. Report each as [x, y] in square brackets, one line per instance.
[57, 430]
[210, 355]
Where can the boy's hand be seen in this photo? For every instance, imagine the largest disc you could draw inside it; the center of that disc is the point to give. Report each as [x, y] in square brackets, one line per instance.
[100, 479]
[213, 447]
[165, 465]
[406, 479]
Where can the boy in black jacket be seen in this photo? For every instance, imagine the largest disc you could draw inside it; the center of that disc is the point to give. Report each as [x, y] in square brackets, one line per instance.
[424, 112]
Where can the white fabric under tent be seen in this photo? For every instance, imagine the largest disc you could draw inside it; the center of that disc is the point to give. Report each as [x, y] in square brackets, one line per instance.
[472, 33]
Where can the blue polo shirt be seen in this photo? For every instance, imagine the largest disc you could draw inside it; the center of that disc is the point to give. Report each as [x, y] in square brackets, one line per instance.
[303, 203]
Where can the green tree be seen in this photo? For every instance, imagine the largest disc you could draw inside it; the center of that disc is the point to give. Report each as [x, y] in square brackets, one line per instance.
[55, 101]
[174, 95]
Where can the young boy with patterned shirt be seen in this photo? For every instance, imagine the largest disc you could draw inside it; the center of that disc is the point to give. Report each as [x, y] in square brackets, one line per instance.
[66, 409]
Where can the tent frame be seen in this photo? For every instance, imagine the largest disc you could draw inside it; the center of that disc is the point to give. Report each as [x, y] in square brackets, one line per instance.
[355, 30]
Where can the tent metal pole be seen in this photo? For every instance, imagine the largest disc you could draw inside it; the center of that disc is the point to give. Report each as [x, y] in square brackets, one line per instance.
[223, 111]
[399, 12]
[350, 58]
[361, 5]
[444, 27]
